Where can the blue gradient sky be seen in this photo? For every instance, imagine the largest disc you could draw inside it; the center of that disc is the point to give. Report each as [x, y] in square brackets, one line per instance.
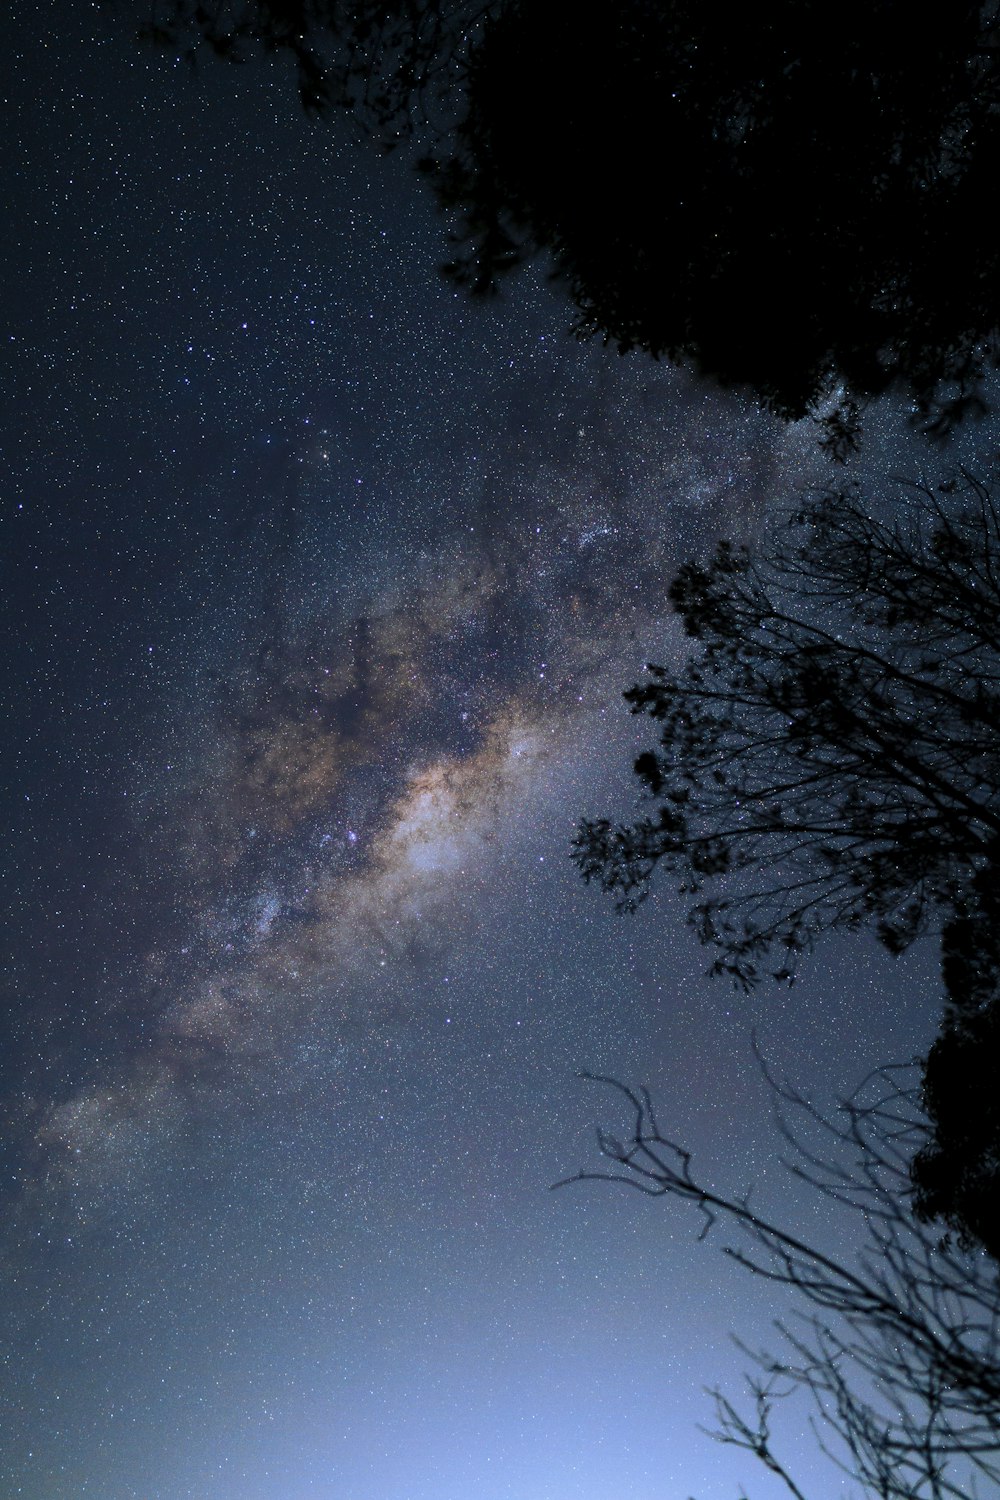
[322, 586]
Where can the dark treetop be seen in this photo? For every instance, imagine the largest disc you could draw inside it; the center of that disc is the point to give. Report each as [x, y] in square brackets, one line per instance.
[787, 200]
[783, 197]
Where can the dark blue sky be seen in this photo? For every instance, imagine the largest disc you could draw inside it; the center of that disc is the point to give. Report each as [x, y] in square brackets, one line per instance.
[321, 584]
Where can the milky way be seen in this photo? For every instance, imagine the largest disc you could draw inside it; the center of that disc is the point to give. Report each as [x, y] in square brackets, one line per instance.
[324, 585]
[358, 765]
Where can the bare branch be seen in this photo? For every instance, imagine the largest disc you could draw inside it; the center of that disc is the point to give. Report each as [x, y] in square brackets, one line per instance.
[897, 1352]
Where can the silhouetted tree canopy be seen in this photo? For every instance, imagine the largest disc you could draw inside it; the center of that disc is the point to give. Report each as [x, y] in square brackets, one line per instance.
[829, 758]
[391, 63]
[896, 1348]
[783, 197]
[957, 1173]
[828, 755]
[780, 194]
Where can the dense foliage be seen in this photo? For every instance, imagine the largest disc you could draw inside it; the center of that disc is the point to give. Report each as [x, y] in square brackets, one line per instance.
[784, 199]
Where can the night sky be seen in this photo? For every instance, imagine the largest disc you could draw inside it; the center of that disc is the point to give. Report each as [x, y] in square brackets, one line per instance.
[321, 584]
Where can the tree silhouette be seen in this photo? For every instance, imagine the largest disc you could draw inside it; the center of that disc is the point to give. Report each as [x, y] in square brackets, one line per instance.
[391, 64]
[957, 1173]
[829, 758]
[783, 199]
[897, 1351]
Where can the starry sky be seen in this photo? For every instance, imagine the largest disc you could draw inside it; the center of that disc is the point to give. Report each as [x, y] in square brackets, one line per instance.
[321, 584]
